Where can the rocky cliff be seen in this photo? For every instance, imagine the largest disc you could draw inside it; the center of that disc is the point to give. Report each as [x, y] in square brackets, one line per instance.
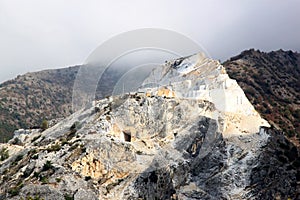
[189, 132]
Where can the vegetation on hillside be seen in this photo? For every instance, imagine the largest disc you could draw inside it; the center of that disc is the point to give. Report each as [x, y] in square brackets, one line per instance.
[271, 82]
[28, 99]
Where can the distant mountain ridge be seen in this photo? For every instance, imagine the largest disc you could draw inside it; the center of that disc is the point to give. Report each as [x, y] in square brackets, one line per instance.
[28, 99]
[272, 84]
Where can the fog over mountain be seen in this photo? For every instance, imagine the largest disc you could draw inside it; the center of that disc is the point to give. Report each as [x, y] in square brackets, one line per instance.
[35, 35]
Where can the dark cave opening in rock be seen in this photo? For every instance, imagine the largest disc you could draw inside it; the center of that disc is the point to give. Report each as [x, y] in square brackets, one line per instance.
[127, 136]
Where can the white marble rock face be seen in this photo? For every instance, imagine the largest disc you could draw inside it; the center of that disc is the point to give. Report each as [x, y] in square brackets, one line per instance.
[201, 78]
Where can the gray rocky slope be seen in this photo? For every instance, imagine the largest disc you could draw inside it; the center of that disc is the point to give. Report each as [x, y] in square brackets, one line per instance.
[191, 135]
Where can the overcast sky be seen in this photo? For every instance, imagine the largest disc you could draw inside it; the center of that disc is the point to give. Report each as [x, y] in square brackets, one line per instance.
[42, 34]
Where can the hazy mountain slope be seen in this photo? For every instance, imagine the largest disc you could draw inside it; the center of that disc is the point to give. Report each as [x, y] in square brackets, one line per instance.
[28, 99]
[272, 84]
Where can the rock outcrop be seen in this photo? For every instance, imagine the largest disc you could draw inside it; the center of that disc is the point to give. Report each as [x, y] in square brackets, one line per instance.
[192, 136]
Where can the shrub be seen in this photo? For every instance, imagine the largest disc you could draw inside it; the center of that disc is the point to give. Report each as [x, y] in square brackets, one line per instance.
[68, 197]
[16, 141]
[44, 125]
[75, 127]
[250, 91]
[73, 147]
[36, 174]
[64, 141]
[32, 198]
[48, 165]
[18, 158]
[14, 191]
[55, 147]
[44, 180]
[58, 180]
[35, 156]
[4, 154]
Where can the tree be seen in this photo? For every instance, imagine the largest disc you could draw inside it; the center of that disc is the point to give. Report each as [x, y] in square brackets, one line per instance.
[44, 125]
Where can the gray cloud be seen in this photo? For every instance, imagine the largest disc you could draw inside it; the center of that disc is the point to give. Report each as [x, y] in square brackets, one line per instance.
[36, 34]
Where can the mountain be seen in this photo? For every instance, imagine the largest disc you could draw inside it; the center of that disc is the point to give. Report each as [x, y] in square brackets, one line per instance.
[271, 82]
[189, 132]
[28, 99]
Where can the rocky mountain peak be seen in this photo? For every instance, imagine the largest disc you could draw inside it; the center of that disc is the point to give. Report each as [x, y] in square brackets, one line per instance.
[201, 78]
[188, 133]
